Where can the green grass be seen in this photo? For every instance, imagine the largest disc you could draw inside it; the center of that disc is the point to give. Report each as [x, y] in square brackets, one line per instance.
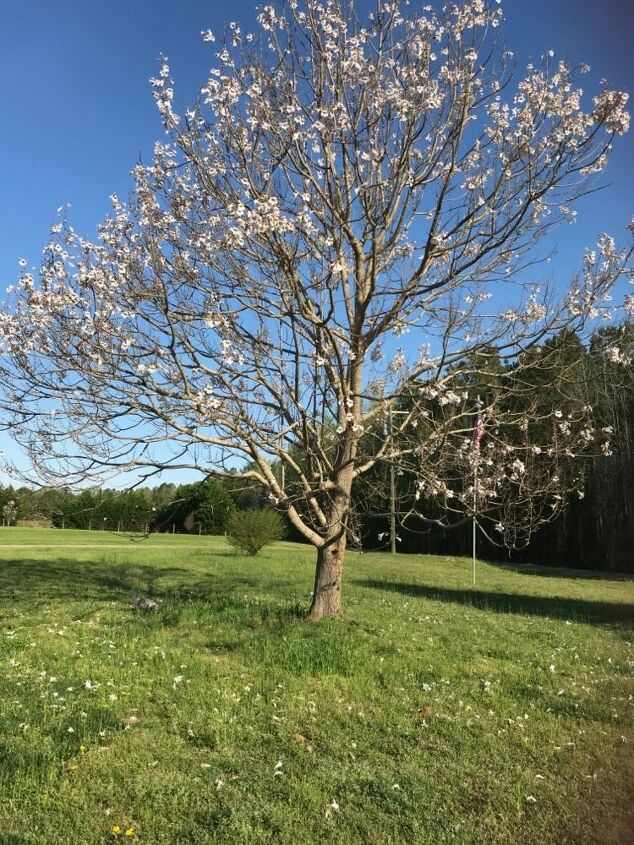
[433, 713]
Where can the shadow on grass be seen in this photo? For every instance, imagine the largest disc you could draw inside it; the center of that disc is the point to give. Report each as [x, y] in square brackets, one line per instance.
[595, 612]
[176, 588]
[561, 571]
[67, 578]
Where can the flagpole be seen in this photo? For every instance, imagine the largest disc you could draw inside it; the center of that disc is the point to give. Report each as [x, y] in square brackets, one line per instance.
[475, 488]
[476, 437]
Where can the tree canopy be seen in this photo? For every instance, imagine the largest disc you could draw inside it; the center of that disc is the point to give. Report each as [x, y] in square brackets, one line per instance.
[352, 212]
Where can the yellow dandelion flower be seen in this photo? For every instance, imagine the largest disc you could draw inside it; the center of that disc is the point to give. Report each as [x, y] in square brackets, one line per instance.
[83, 749]
[73, 766]
[129, 831]
[116, 829]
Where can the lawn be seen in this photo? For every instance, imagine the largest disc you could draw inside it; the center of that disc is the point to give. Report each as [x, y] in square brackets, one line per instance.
[433, 713]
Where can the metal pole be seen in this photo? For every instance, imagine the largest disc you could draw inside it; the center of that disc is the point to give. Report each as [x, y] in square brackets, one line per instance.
[392, 490]
[474, 552]
[475, 495]
[392, 511]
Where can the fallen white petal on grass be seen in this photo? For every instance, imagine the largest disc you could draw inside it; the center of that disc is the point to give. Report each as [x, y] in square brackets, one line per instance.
[333, 807]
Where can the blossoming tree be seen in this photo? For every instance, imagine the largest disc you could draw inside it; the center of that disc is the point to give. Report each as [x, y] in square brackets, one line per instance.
[350, 213]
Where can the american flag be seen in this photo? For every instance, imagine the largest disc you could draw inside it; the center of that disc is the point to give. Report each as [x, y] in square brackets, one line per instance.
[478, 431]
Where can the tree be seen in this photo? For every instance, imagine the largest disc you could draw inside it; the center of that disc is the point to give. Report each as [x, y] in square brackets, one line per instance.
[337, 185]
[82, 511]
[9, 513]
[205, 506]
[214, 508]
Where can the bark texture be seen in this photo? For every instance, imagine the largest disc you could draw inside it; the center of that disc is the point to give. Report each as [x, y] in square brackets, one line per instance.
[328, 573]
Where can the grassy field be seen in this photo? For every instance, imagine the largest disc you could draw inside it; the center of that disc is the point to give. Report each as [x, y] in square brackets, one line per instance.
[433, 713]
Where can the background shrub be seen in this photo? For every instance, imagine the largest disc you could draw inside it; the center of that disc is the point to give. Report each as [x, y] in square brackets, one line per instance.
[250, 531]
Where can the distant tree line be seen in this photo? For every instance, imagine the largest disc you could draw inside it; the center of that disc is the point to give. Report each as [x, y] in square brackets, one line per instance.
[188, 508]
[594, 530]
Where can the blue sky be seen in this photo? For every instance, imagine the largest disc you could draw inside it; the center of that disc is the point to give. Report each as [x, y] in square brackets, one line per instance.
[76, 111]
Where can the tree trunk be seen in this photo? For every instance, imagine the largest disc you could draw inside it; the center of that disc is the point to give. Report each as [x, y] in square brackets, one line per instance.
[327, 591]
[326, 602]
